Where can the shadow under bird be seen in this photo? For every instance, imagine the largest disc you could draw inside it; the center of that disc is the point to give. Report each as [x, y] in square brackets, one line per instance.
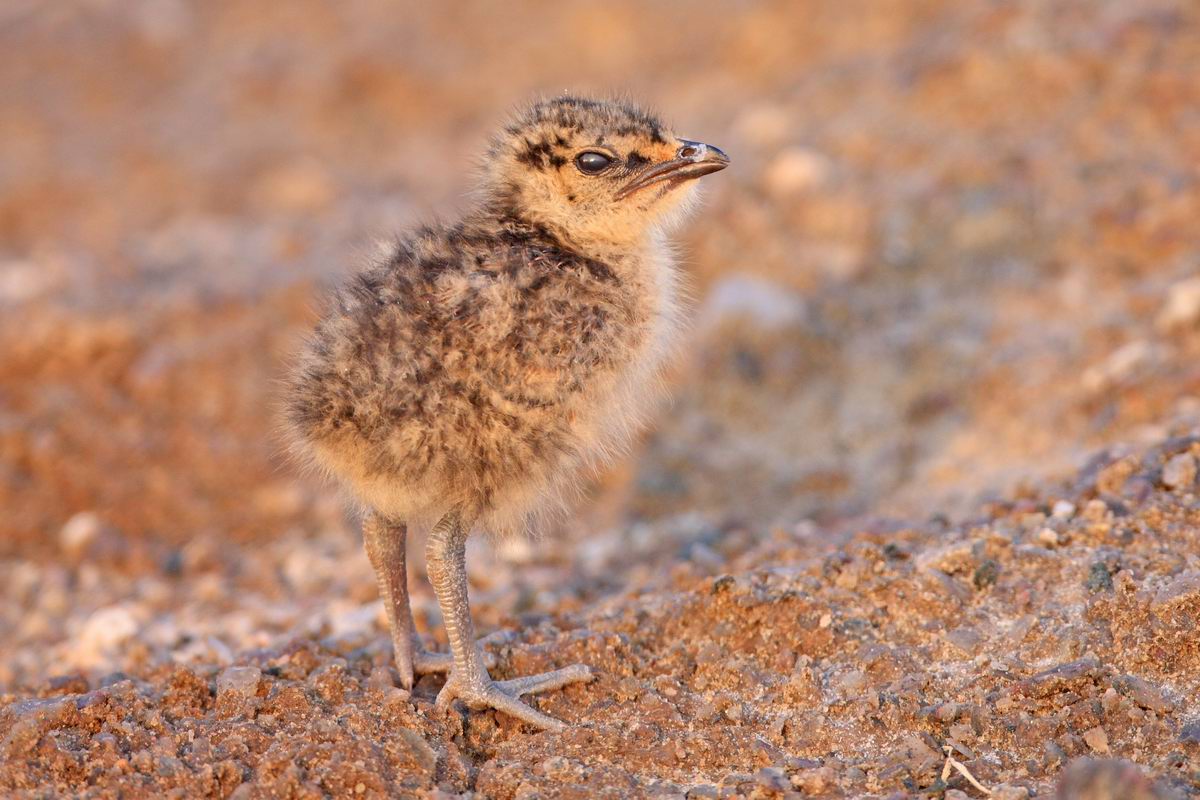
[471, 378]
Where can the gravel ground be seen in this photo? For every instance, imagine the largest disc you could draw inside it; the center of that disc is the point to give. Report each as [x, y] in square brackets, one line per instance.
[929, 481]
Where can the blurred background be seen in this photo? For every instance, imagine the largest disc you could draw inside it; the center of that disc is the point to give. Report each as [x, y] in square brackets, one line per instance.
[957, 252]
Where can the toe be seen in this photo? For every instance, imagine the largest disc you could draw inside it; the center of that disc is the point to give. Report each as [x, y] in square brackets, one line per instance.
[501, 701]
[547, 681]
[425, 662]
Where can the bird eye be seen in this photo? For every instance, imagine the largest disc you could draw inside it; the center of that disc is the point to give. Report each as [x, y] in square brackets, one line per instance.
[592, 163]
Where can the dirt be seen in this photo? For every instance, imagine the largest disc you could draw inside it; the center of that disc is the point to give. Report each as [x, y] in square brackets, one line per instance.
[929, 481]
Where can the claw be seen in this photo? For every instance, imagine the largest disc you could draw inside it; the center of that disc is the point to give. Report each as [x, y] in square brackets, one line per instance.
[503, 695]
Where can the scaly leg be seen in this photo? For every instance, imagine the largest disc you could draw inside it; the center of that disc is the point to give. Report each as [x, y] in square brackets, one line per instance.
[385, 545]
[469, 681]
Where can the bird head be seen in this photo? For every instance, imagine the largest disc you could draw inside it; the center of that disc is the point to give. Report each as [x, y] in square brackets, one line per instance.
[599, 173]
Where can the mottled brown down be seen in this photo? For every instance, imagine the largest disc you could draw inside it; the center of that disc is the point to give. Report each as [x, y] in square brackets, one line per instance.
[485, 365]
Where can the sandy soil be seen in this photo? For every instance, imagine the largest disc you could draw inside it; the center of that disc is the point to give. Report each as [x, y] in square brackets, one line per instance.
[929, 481]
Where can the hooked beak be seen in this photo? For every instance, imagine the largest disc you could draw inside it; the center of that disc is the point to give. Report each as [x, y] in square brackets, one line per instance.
[692, 160]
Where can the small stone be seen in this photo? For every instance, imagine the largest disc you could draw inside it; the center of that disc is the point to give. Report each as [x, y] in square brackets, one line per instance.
[1145, 694]
[1097, 739]
[105, 631]
[917, 754]
[1182, 307]
[965, 639]
[1063, 509]
[1053, 754]
[814, 781]
[956, 794]
[237, 690]
[1184, 588]
[986, 574]
[1047, 537]
[29, 721]
[1180, 472]
[1190, 733]
[962, 732]
[1099, 578]
[772, 778]
[723, 583]
[555, 766]
[426, 756]
[1052, 680]
[79, 531]
[1006, 792]
[1122, 364]
[851, 683]
[735, 779]
[1095, 510]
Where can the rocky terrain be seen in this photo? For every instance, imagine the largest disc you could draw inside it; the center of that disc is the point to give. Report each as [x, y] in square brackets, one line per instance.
[921, 522]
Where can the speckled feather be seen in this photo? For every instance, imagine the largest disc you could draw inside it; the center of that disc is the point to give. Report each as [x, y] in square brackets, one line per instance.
[485, 365]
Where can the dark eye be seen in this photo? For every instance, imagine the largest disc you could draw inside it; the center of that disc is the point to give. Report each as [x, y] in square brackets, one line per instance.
[592, 163]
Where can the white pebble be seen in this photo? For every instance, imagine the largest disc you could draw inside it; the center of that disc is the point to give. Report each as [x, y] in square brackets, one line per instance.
[79, 531]
[1180, 471]
[1063, 509]
[104, 631]
[1048, 537]
[1182, 307]
[239, 681]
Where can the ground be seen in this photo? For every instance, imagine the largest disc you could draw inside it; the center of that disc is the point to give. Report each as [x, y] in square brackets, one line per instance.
[928, 482]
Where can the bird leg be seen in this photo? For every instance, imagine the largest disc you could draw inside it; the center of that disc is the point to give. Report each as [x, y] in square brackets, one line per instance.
[469, 680]
[385, 546]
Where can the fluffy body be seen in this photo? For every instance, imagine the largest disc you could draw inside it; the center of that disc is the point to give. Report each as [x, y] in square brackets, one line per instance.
[486, 365]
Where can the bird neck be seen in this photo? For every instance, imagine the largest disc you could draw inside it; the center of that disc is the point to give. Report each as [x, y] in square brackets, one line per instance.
[519, 228]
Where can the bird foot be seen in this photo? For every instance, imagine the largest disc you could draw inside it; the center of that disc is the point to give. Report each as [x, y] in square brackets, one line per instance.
[504, 696]
[427, 662]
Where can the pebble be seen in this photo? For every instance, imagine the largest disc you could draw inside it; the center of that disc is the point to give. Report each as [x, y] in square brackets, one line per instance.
[1190, 733]
[1122, 364]
[105, 630]
[237, 689]
[28, 721]
[1180, 472]
[426, 756]
[1145, 694]
[1182, 307]
[814, 781]
[78, 532]
[1006, 792]
[1096, 739]
[772, 778]
[1063, 509]
[851, 683]
[1047, 537]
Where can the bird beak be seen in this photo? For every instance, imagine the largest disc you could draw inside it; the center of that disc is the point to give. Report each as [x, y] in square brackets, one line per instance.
[692, 160]
[701, 153]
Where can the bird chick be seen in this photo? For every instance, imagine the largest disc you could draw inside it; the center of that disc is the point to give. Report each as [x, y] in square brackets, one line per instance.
[470, 378]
